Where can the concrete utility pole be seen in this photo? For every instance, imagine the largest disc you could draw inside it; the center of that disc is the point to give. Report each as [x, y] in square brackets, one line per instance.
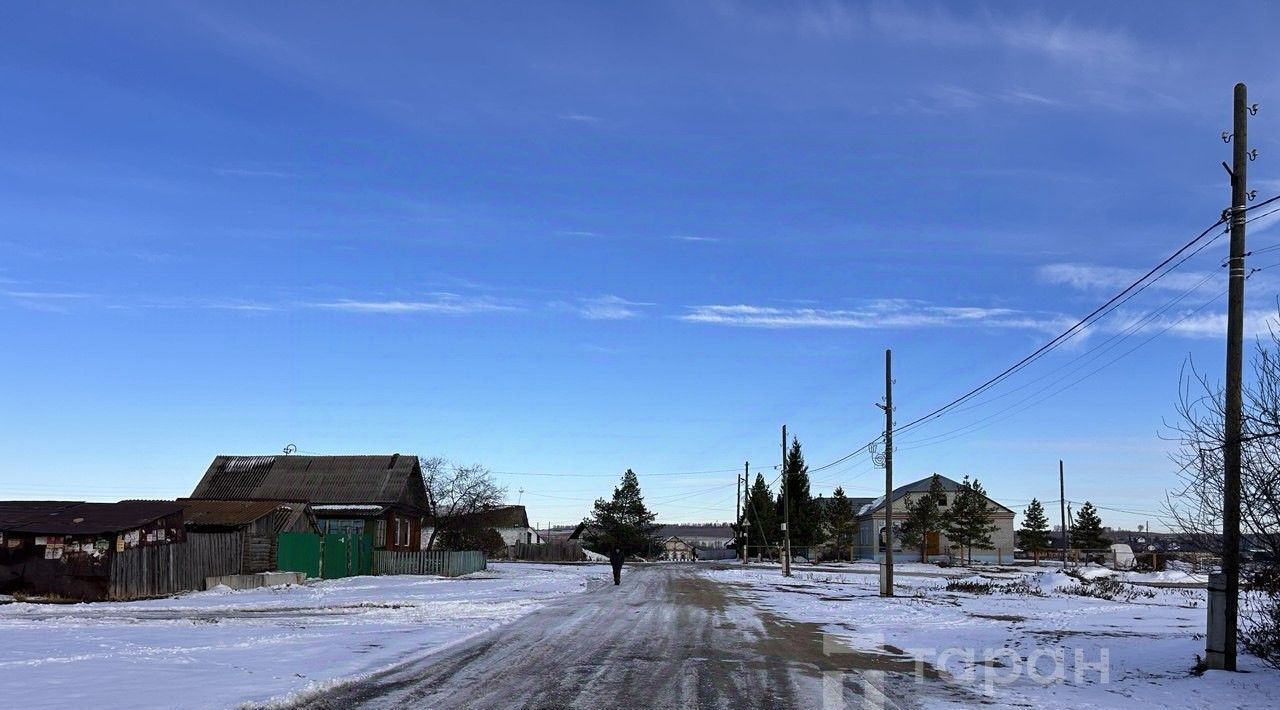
[744, 519]
[1220, 651]
[746, 516]
[1062, 503]
[786, 511]
[886, 574]
[737, 512]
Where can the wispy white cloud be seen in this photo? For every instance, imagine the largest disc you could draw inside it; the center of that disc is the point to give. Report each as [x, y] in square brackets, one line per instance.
[576, 233]
[690, 238]
[1193, 324]
[609, 308]
[1094, 277]
[878, 314]
[580, 118]
[1030, 33]
[254, 173]
[444, 303]
[47, 301]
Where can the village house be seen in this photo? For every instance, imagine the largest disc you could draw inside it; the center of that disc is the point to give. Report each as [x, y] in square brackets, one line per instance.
[676, 550]
[871, 533]
[382, 499]
[511, 522]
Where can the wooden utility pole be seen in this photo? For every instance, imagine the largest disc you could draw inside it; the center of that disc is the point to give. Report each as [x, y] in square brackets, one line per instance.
[786, 511]
[1062, 503]
[737, 510]
[1225, 657]
[886, 579]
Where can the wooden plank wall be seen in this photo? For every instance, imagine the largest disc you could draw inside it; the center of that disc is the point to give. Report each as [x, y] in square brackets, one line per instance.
[561, 551]
[161, 570]
[440, 562]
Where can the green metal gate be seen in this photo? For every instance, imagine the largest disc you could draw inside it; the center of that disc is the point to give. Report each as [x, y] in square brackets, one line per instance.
[330, 556]
[299, 552]
[336, 555]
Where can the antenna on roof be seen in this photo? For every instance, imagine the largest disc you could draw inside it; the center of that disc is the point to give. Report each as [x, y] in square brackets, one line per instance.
[290, 449]
[519, 497]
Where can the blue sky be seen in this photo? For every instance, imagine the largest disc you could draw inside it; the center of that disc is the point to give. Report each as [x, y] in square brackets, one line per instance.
[564, 239]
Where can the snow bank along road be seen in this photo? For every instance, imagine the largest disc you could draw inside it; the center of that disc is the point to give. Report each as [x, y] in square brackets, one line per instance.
[669, 637]
[219, 649]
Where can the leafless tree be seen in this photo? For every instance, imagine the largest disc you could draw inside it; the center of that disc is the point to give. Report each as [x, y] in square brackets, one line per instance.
[457, 493]
[1194, 507]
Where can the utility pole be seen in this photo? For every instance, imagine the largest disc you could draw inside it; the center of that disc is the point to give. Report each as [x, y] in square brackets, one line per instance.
[1220, 651]
[786, 511]
[886, 573]
[1062, 503]
[742, 538]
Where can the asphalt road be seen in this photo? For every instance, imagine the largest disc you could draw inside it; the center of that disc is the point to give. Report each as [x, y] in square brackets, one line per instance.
[668, 637]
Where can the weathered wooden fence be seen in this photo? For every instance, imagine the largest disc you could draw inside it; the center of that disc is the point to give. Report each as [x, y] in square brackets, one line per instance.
[160, 570]
[560, 551]
[441, 562]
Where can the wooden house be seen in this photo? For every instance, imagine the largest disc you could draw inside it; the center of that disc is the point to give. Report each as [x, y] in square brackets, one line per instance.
[381, 498]
[256, 523]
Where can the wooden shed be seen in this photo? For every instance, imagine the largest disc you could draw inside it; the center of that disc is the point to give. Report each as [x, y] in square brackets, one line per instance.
[76, 550]
[256, 523]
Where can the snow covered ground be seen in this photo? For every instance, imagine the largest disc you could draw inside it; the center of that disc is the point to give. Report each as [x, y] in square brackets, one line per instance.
[1126, 652]
[219, 649]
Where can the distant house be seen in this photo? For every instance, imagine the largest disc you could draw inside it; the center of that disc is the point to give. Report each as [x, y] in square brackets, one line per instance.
[380, 497]
[871, 533]
[713, 541]
[676, 550]
[257, 522]
[67, 549]
[509, 521]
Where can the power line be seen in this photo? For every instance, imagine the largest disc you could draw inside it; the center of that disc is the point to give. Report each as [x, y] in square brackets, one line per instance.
[1128, 292]
[1133, 289]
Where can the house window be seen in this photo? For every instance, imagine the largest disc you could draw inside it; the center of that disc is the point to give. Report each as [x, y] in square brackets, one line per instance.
[403, 528]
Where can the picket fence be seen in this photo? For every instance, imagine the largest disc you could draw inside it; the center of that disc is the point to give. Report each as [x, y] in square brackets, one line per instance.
[441, 562]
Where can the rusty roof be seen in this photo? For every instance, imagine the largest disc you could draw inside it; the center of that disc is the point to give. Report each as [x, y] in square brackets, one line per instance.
[232, 513]
[98, 518]
[389, 480]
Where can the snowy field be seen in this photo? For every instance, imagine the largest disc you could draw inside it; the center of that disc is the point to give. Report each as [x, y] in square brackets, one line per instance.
[220, 649]
[1136, 650]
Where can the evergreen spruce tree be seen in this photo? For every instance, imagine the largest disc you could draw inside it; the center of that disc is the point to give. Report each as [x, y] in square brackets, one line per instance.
[1086, 533]
[622, 521]
[1033, 536]
[970, 522]
[804, 516]
[762, 533]
[841, 526]
[925, 514]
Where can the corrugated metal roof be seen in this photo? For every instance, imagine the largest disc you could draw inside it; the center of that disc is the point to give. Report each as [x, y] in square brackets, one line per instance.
[231, 513]
[98, 518]
[339, 510]
[17, 512]
[507, 516]
[388, 480]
